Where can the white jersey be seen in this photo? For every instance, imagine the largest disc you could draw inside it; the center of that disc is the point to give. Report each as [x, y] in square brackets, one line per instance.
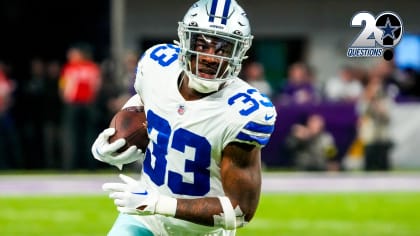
[187, 137]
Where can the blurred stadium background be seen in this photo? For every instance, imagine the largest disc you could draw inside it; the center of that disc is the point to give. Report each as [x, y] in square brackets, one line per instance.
[42, 194]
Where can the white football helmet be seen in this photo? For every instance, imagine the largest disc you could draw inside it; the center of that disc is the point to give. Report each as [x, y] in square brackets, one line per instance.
[224, 20]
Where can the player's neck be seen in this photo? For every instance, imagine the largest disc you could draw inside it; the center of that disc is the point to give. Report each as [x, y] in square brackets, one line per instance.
[188, 93]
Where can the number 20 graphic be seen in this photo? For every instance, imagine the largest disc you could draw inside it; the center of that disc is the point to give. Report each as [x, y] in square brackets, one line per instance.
[385, 25]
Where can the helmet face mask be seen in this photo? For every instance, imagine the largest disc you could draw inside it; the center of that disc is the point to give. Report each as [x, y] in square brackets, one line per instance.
[210, 65]
[223, 47]
[228, 36]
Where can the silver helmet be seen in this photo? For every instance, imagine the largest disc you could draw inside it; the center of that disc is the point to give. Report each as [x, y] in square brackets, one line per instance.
[223, 20]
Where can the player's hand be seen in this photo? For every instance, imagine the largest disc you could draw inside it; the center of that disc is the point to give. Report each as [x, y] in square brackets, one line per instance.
[104, 151]
[132, 197]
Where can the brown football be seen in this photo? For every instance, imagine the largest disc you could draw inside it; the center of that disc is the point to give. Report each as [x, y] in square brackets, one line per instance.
[130, 123]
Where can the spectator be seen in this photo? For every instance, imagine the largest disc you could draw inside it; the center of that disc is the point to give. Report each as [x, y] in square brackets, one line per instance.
[52, 112]
[79, 83]
[254, 74]
[406, 86]
[312, 147]
[6, 89]
[400, 84]
[9, 142]
[345, 87]
[116, 88]
[123, 84]
[33, 115]
[299, 88]
[373, 108]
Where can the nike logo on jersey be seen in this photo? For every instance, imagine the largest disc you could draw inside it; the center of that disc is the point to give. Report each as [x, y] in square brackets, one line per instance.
[140, 193]
[267, 117]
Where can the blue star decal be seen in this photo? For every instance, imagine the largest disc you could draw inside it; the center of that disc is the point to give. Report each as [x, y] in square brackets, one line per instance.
[388, 29]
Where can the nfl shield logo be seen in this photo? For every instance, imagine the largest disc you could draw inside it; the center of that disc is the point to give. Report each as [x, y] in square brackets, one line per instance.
[181, 109]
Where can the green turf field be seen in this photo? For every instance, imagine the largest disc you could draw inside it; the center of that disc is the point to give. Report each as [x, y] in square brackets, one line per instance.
[294, 214]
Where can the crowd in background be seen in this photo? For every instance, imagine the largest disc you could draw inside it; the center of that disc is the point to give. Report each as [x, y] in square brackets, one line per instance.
[50, 119]
[372, 90]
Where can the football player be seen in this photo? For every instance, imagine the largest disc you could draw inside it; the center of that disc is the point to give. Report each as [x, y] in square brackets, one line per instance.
[201, 171]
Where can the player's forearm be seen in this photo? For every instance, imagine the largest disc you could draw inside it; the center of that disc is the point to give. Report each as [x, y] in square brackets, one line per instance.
[199, 211]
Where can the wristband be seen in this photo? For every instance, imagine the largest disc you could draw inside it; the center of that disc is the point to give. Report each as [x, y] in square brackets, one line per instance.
[166, 206]
[228, 215]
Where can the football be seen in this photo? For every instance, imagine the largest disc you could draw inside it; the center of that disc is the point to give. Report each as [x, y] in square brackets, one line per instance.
[130, 123]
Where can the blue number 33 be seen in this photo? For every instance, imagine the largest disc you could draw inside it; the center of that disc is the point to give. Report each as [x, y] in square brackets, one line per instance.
[155, 163]
[249, 99]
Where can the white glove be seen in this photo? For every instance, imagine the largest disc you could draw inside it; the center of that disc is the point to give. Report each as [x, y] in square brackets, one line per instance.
[104, 151]
[132, 197]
